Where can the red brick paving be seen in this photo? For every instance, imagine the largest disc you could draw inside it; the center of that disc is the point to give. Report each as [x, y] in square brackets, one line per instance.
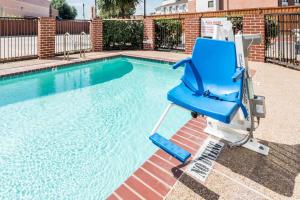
[113, 197]
[153, 182]
[159, 173]
[143, 190]
[156, 177]
[126, 193]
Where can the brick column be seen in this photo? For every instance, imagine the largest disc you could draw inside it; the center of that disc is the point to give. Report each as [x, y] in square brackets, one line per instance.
[46, 37]
[191, 28]
[149, 34]
[255, 24]
[96, 28]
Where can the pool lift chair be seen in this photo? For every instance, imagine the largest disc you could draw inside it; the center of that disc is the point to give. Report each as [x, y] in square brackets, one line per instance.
[217, 84]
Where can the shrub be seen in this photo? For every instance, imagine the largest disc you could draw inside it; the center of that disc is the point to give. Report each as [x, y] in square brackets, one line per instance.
[123, 34]
[237, 24]
[168, 33]
[271, 30]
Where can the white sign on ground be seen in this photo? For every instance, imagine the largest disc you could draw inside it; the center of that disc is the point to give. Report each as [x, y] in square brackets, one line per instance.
[207, 25]
[205, 159]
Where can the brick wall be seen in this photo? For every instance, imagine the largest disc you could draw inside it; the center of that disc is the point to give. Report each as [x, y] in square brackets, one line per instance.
[97, 34]
[47, 32]
[46, 37]
[191, 27]
[254, 24]
[149, 34]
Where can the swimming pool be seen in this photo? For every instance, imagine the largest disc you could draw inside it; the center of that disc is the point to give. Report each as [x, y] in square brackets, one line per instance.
[79, 132]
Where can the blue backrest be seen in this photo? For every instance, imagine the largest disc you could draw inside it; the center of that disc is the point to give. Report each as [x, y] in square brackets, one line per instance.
[216, 63]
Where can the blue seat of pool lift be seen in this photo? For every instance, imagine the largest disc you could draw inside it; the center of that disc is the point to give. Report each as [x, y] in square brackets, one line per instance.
[212, 85]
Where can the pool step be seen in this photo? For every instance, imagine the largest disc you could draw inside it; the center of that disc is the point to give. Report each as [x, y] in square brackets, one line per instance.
[169, 147]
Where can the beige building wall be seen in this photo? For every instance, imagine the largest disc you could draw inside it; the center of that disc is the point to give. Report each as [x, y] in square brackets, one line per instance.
[241, 4]
[191, 6]
[23, 8]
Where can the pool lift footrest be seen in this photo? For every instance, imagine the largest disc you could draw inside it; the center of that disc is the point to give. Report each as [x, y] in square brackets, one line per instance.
[166, 145]
[170, 148]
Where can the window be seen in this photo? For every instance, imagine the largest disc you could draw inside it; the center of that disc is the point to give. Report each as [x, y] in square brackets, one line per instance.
[210, 4]
[297, 2]
[284, 2]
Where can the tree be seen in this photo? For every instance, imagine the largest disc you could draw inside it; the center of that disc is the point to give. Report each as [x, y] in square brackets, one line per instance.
[65, 11]
[117, 8]
[57, 3]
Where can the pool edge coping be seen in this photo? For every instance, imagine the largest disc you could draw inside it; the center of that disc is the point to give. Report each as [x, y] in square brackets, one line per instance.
[24, 70]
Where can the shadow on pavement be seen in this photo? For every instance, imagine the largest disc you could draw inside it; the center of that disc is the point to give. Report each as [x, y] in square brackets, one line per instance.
[277, 171]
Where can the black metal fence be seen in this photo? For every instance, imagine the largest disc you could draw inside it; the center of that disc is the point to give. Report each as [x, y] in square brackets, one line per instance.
[18, 38]
[282, 39]
[169, 35]
[72, 36]
[123, 34]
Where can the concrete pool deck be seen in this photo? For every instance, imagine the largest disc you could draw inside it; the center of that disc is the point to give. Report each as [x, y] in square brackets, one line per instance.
[238, 173]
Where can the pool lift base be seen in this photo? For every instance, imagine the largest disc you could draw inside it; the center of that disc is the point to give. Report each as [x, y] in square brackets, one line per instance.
[234, 136]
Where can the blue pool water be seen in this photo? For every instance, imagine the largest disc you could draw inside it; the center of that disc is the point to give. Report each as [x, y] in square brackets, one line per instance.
[79, 132]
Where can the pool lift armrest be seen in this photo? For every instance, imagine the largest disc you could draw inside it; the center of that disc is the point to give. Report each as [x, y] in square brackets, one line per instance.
[238, 74]
[182, 62]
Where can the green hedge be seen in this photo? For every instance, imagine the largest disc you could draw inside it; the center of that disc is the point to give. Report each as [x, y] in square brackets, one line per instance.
[123, 34]
[237, 24]
[168, 34]
[272, 30]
